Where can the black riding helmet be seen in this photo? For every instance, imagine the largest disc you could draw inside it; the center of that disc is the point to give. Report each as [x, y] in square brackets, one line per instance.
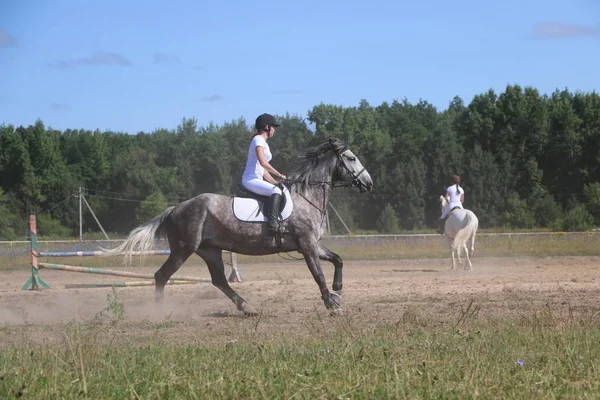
[265, 119]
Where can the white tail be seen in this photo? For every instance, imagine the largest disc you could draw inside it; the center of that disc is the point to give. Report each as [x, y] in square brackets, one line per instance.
[141, 238]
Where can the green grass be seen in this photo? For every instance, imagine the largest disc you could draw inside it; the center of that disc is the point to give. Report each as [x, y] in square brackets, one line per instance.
[558, 244]
[544, 355]
[398, 247]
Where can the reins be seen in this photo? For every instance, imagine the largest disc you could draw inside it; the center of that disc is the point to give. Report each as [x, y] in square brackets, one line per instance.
[333, 184]
[353, 182]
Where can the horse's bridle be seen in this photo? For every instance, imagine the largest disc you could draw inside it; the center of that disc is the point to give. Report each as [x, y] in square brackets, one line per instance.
[354, 181]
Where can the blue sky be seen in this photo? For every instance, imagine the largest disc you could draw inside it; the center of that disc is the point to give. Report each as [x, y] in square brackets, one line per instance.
[133, 66]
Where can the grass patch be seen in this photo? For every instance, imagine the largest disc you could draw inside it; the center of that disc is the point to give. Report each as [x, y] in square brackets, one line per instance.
[550, 353]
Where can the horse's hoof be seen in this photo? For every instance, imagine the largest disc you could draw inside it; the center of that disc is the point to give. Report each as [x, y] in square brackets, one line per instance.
[336, 312]
[336, 296]
[332, 302]
[249, 310]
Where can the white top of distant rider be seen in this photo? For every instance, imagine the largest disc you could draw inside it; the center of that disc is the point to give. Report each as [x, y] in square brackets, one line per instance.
[253, 168]
[454, 197]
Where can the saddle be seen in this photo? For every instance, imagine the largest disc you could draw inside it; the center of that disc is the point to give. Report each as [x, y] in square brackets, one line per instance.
[251, 207]
[454, 208]
[263, 201]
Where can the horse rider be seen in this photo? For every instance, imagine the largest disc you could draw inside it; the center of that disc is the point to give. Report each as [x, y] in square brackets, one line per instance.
[455, 197]
[258, 175]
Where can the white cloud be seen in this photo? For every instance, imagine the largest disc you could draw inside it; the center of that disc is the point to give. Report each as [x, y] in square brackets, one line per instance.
[556, 30]
[213, 98]
[60, 107]
[162, 58]
[98, 58]
[7, 40]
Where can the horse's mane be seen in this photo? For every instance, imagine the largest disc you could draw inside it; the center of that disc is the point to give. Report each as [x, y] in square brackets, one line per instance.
[315, 163]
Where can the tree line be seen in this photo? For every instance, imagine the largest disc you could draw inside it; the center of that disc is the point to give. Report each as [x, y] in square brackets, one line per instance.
[526, 159]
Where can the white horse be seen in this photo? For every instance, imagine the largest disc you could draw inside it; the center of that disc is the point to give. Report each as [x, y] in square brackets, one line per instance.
[460, 226]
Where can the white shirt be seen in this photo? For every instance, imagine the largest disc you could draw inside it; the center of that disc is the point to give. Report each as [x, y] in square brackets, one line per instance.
[455, 197]
[253, 168]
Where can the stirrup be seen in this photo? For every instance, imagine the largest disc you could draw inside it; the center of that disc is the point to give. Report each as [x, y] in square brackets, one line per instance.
[441, 226]
[280, 230]
[278, 235]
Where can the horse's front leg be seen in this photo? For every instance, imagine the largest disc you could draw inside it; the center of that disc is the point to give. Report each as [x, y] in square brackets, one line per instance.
[311, 256]
[451, 248]
[452, 251]
[328, 255]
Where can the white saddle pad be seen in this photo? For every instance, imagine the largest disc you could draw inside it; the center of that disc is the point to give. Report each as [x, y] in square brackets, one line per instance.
[248, 210]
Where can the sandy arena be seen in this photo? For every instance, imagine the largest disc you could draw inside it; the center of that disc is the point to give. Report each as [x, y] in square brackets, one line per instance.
[375, 292]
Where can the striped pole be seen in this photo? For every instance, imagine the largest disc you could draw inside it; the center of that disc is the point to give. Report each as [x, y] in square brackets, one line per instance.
[89, 270]
[95, 253]
[36, 280]
[122, 284]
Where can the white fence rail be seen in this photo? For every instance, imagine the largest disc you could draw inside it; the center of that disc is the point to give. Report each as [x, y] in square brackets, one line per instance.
[350, 237]
[22, 247]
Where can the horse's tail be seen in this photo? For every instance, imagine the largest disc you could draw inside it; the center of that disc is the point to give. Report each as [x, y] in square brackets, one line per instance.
[471, 225]
[141, 238]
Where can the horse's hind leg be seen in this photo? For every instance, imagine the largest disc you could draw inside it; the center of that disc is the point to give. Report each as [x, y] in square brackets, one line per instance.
[472, 250]
[468, 265]
[173, 263]
[214, 261]
[452, 253]
[328, 255]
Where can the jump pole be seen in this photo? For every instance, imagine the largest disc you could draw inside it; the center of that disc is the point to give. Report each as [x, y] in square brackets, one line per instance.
[234, 274]
[36, 282]
[89, 270]
[121, 284]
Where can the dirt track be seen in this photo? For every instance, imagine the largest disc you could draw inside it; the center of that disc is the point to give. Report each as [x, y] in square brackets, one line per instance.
[374, 292]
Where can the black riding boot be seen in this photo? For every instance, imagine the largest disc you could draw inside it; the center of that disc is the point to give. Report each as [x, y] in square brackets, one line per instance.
[273, 223]
[441, 225]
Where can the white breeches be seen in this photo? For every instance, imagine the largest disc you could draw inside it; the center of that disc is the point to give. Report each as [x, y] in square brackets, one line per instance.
[449, 207]
[262, 187]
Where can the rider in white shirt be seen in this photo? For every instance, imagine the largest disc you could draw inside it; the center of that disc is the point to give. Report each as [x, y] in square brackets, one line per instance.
[258, 175]
[455, 196]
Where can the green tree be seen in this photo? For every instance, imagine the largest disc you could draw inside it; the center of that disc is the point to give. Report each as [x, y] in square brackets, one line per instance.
[519, 153]
[152, 206]
[484, 192]
[546, 211]
[388, 221]
[577, 218]
[561, 159]
[50, 227]
[517, 214]
[7, 218]
[592, 198]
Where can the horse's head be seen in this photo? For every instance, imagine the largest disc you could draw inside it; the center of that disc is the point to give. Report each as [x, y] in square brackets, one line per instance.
[331, 162]
[349, 168]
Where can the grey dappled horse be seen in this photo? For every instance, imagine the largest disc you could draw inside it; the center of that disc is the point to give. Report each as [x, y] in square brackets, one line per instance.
[205, 225]
[460, 226]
